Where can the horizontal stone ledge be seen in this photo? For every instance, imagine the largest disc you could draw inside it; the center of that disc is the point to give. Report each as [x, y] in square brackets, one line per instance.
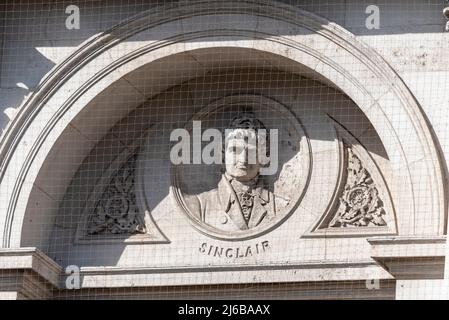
[30, 260]
[40, 266]
[393, 258]
[114, 277]
[410, 257]
[384, 289]
[409, 246]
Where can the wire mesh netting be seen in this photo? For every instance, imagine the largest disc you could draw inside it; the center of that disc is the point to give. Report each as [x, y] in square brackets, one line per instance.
[252, 149]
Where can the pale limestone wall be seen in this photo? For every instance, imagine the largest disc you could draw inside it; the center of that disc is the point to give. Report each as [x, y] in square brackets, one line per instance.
[411, 40]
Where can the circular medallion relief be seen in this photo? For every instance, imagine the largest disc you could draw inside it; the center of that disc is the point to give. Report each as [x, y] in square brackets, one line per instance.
[248, 170]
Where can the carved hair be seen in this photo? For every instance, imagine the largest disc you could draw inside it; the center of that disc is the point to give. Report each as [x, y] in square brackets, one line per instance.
[246, 120]
[246, 125]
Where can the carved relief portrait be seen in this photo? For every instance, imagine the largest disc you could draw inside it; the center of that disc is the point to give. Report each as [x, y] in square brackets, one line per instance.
[240, 198]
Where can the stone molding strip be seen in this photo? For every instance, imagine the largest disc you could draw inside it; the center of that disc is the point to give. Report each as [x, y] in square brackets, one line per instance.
[410, 257]
[27, 273]
[394, 258]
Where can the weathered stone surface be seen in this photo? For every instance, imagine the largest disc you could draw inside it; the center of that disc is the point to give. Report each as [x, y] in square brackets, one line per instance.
[86, 174]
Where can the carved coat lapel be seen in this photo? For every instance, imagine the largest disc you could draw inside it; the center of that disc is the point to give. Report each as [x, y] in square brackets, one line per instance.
[230, 203]
[261, 201]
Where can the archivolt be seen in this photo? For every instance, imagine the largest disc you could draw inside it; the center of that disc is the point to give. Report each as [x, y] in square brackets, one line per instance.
[314, 44]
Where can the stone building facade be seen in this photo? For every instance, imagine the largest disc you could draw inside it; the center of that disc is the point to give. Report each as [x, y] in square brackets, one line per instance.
[92, 205]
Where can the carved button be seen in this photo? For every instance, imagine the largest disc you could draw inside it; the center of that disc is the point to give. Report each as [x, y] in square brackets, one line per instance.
[224, 219]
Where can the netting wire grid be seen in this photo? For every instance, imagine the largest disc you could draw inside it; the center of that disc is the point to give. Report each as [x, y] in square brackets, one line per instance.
[257, 149]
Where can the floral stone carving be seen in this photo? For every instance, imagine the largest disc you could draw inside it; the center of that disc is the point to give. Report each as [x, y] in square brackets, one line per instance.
[360, 204]
[116, 211]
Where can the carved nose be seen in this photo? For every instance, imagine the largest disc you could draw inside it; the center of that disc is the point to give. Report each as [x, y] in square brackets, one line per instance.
[243, 158]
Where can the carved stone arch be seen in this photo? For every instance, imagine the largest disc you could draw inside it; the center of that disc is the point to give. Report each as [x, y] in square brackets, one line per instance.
[269, 28]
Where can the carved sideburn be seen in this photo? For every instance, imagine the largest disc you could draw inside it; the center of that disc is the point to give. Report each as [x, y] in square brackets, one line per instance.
[360, 204]
[116, 212]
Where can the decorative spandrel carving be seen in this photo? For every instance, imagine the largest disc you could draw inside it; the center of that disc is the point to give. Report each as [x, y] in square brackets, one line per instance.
[116, 211]
[360, 204]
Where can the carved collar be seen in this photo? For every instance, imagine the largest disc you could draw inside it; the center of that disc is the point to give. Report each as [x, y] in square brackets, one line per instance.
[256, 189]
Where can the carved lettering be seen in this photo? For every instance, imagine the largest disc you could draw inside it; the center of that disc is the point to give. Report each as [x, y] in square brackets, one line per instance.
[234, 252]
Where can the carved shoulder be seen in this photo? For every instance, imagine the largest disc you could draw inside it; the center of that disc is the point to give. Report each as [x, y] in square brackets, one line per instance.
[194, 204]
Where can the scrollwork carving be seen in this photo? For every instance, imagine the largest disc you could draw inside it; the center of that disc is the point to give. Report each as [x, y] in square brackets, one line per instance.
[116, 211]
[360, 204]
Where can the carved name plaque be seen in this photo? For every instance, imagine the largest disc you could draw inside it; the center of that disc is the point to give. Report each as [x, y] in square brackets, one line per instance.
[234, 252]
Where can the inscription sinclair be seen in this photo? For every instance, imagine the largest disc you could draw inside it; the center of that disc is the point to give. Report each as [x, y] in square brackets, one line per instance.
[234, 252]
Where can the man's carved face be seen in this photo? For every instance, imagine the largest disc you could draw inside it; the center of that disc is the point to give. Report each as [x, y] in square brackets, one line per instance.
[241, 156]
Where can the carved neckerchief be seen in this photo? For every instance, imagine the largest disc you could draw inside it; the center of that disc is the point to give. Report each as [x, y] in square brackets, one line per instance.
[246, 203]
[245, 195]
[230, 202]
